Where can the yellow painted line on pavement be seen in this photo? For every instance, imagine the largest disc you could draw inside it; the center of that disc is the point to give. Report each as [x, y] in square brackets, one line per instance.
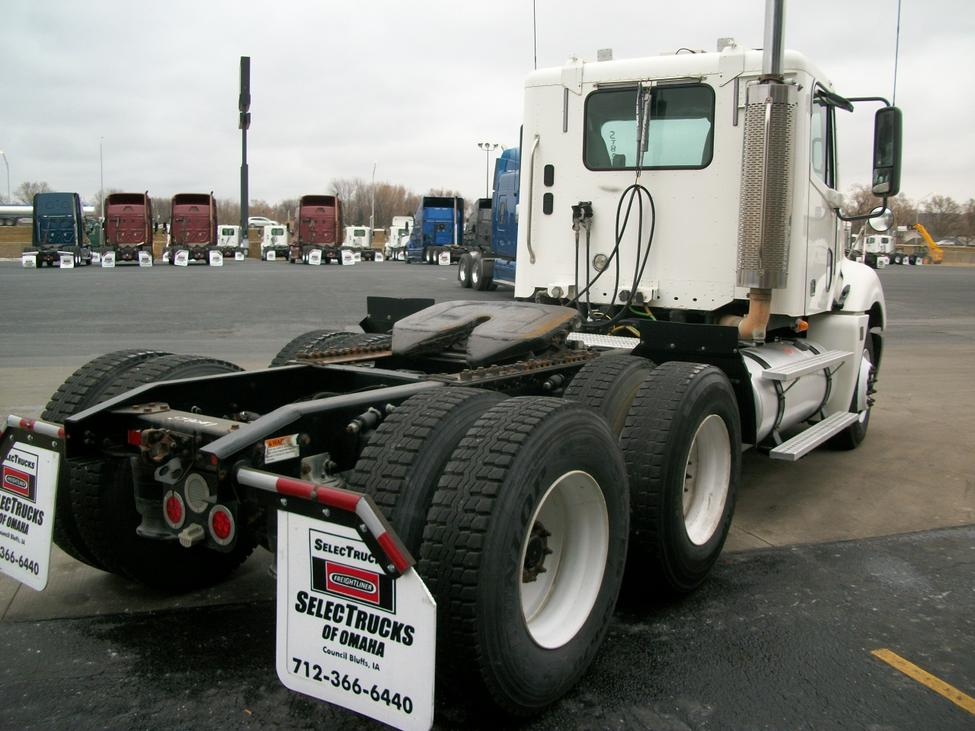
[963, 701]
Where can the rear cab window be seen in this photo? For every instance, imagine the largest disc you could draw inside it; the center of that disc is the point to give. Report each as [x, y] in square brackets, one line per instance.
[680, 131]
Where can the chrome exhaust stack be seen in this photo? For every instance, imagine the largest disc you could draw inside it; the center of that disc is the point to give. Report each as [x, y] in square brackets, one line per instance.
[765, 211]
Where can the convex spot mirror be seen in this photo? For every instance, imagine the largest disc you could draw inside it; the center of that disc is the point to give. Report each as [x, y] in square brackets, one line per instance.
[881, 219]
[887, 152]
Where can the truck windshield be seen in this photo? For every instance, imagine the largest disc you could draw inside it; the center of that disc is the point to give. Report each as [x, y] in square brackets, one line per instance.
[680, 131]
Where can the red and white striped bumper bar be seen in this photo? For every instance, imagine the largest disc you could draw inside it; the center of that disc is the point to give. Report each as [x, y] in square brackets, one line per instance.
[55, 431]
[397, 559]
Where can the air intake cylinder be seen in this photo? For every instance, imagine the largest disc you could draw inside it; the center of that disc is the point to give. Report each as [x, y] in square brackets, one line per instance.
[764, 217]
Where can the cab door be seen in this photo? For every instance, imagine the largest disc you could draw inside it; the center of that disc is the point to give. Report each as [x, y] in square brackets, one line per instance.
[821, 222]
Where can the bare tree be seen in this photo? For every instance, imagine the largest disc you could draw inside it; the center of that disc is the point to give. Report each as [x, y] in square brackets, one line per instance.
[968, 222]
[25, 191]
[228, 211]
[941, 214]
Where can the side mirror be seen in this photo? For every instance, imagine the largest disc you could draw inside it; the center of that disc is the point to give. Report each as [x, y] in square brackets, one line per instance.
[887, 152]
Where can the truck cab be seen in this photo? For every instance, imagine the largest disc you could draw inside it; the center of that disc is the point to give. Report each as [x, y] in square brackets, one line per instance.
[318, 229]
[193, 227]
[477, 234]
[57, 234]
[228, 238]
[693, 135]
[358, 239]
[397, 237]
[127, 225]
[439, 223]
[274, 240]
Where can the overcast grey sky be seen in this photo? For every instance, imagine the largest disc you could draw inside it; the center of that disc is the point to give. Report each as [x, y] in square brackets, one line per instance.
[413, 86]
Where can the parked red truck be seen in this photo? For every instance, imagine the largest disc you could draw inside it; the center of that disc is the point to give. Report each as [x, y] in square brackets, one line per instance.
[127, 221]
[193, 229]
[318, 230]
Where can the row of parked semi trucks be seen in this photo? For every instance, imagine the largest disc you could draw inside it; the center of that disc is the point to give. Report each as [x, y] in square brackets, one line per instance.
[61, 235]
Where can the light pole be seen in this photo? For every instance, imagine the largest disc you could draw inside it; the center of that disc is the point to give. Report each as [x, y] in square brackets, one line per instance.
[6, 165]
[372, 203]
[101, 174]
[488, 148]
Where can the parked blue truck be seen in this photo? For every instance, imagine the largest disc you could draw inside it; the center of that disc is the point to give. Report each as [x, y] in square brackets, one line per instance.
[58, 232]
[486, 265]
[438, 227]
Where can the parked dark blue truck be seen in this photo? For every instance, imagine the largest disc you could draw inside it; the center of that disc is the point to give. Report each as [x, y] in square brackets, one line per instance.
[438, 227]
[58, 235]
[493, 262]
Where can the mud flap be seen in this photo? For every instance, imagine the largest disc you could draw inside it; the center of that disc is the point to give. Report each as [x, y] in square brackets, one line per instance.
[356, 626]
[31, 454]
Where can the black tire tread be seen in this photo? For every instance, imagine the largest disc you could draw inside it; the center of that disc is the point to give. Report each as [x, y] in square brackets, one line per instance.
[596, 385]
[457, 524]
[648, 452]
[389, 464]
[300, 343]
[88, 385]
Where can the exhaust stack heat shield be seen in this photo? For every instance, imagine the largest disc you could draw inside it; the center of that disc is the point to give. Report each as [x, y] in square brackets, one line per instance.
[764, 218]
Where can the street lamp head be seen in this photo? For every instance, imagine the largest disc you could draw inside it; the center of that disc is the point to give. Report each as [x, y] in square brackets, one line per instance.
[488, 146]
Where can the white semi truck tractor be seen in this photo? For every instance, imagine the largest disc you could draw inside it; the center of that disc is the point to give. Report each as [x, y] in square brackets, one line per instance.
[453, 494]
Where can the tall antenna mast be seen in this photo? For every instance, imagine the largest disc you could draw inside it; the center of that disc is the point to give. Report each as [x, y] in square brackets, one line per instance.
[535, 31]
[897, 48]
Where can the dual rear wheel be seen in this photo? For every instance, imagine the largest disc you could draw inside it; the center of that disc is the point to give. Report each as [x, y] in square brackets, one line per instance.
[518, 512]
[96, 518]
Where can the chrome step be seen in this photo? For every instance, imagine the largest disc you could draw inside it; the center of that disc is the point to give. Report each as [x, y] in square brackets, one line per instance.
[611, 342]
[805, 441]
[803, 367]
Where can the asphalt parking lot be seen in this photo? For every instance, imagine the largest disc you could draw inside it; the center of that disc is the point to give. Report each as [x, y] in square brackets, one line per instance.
[829, 558]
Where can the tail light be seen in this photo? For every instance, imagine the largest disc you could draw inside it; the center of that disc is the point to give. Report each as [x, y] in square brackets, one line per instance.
[222, 525]
[174, 510]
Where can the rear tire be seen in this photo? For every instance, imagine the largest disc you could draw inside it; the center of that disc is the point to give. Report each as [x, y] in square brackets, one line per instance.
[102, 497]
[312, 340]
[464, 270]
[682, 447]
[92, 383]
[524, 551]
[482, 274]
[402, 462]
[608, 385]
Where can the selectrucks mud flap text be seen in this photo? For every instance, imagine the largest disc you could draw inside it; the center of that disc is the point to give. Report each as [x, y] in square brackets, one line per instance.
[356, 626]
[30, 458]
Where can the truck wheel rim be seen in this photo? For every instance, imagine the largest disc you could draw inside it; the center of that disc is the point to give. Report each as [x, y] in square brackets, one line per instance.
[707, 475]
[563, 558]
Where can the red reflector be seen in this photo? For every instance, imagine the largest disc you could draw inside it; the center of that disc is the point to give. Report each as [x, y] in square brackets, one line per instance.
[173, 509]
[134, 437]
[221, 525]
